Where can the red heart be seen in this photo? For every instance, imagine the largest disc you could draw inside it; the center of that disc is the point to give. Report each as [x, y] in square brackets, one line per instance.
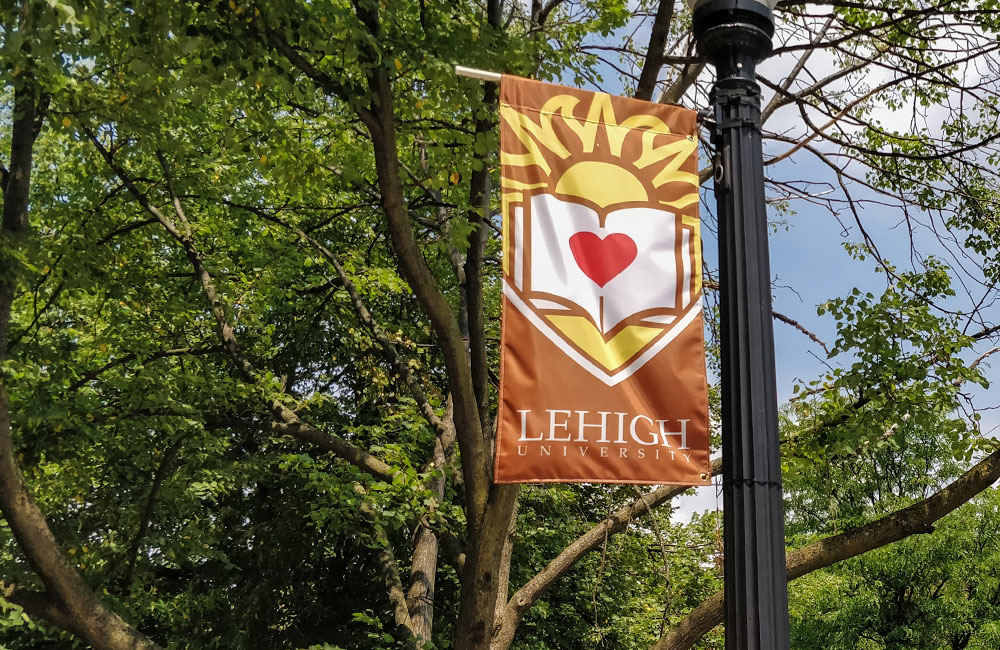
[602, 259]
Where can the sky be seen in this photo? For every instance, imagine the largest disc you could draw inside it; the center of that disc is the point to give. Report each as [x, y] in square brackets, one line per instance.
[809, 264]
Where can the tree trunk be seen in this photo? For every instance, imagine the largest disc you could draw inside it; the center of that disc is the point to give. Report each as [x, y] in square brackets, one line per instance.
[86, 615]
[481, 580]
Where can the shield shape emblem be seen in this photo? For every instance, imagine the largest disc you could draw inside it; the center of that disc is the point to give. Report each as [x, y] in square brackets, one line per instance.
[602, 253]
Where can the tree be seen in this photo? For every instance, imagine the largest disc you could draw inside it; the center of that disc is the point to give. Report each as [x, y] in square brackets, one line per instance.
[249, 304]
[928, 591]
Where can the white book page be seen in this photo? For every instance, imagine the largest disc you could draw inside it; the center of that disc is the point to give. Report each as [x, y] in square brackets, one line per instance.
[648, 281]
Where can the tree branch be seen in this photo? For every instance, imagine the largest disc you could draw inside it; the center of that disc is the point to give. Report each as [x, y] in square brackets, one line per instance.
[85, 615]
[390, 574]
[91, 375]
[479, 201]
[38, 604]
[799, 327]
[673, 94]
[915, 519]
[777, 100]
[388, 347]
[479, 215]
[424, 559]
[323, 440]
[290, 422]
[714, 286]
[655, 50]
[540, 13]
[132, 554]
[425, 288]
[525, 597]
[324, 81]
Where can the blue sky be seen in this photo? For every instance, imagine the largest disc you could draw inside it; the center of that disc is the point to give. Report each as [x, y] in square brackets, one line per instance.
[807, 254]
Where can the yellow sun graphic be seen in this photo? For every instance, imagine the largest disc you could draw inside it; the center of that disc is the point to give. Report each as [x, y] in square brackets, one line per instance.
[598, 165]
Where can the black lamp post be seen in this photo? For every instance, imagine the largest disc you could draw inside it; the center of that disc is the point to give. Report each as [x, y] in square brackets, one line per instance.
[734, 35]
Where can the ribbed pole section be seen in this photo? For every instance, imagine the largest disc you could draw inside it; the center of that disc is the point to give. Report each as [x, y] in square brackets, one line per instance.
[753, 512]
[734, 39]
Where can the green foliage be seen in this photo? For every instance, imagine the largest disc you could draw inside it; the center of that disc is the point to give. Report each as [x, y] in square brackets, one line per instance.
[907, 369]
[148, 452]
[628, 593]
[936, 591]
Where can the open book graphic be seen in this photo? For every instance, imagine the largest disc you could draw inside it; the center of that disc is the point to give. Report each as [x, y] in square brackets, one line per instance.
[627, 267]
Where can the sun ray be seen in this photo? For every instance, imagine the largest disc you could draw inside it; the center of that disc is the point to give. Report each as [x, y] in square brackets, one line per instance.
[661, 157]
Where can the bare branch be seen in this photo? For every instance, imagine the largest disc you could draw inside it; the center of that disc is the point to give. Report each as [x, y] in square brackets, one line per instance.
[799, 327]
[673, 94]
[655, 50]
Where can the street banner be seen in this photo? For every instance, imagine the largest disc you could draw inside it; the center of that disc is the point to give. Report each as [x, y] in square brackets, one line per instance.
[602, 368]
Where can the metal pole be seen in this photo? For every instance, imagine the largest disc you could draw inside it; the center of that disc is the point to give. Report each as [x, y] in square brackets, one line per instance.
[735, 35]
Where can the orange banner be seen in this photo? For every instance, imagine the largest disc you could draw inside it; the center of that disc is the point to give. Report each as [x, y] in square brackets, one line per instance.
[602, 371]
